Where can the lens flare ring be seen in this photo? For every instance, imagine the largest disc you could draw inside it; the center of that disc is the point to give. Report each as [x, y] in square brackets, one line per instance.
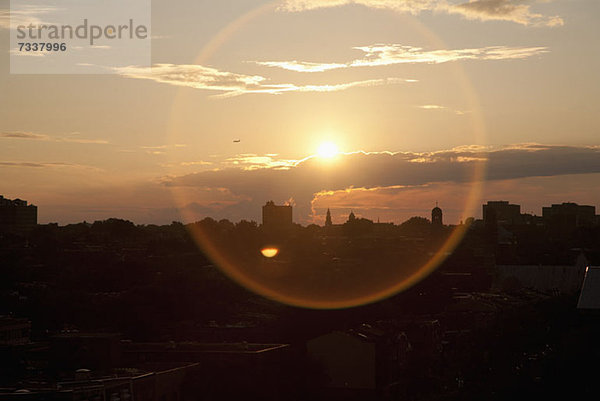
[303, 294]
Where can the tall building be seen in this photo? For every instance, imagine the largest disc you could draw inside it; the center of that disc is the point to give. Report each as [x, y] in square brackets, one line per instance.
[501, 212]
[437, 216]
[328, 222]
[569, 215]
[276, 217]
[16, 215]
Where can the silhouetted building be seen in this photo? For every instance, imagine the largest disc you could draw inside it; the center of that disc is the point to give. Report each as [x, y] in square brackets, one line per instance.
[167, 383]
[328, 222]
[363, 363]
[226, 371]
[351, 217]
[70, 351]
[276, 217]
[14, 331]
[569, 215]
[16, 214]
[161, 383]
[546, 279]
[437, 216]
[531, 219]
[502, 212]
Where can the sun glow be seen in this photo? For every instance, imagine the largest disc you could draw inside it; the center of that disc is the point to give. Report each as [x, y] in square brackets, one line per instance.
[328, 150]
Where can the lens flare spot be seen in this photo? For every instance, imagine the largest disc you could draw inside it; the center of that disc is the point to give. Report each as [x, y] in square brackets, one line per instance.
[269, 252]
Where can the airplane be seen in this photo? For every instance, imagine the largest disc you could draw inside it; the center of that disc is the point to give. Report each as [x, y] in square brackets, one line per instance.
[237, 140]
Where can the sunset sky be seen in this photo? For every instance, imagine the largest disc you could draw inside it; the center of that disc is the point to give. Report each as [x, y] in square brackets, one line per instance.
[426, 100]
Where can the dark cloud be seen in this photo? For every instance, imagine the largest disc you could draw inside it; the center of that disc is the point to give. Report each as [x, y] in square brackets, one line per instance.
[373, 170]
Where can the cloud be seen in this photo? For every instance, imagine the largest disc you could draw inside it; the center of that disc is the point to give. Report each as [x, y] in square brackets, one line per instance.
[441, 108]
[31, 164]
[504, 10]
[361, 170]
[404, 6]
[47, 165]
[23, 14]
[254, 162]
[194, 76]
[233, 84]
[42, 137]
[432, 107]
[395, 203]
[23, 135]
[391, 54]
[196, 163]
[300, 66]
[17, 53]
[398, 204]
[517, 11]
[160, 149]
[392, 186]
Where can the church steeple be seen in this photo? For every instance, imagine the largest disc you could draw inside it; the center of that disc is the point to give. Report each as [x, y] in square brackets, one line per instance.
[328, 222]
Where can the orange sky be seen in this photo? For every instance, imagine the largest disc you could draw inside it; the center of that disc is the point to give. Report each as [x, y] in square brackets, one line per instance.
[429, 91]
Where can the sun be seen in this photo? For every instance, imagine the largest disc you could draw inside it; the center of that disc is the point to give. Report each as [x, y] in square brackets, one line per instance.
[328, 150]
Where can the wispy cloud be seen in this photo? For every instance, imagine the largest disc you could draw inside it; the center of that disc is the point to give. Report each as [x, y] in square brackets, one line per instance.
[162, 149]
[254, 162]
[25, 164]
[22, 135]
[194, 76]
[517, 11]
[24, 15]
[233, 84]
[300, 66]
[43, 137]
[196, 163]
[406, 6]
[441, 108]
[504, 10]
[17, 53]
[432, 107]
[390, 54]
